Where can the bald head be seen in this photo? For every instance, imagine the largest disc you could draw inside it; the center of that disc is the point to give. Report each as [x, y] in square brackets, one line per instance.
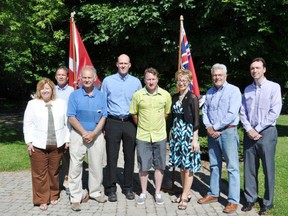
[123, 64]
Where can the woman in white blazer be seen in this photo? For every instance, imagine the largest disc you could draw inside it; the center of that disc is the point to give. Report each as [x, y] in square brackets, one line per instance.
[47, 136]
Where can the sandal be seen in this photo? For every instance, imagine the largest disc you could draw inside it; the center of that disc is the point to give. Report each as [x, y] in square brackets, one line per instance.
[183, 204]
[43, 207]
[189, 197]
[53, 202]
[177, 200]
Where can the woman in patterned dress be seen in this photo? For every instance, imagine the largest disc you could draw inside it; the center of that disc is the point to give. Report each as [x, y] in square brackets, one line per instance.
[184, 146]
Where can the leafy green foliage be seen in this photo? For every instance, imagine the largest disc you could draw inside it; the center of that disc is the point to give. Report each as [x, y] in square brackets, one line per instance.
[30, 43]
[34, 40]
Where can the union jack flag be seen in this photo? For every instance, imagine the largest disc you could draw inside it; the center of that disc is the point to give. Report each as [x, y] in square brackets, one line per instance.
[187, 62]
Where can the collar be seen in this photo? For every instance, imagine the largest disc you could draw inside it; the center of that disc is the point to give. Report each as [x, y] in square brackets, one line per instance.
[86, 94]
[123, 78]
[63, 89]
[261, 84]
[155, 93]
[221, 88]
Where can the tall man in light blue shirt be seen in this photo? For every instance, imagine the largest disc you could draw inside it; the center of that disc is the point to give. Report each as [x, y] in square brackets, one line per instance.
[119, 89]
[63, 91]
[221, 117]
[261, 106]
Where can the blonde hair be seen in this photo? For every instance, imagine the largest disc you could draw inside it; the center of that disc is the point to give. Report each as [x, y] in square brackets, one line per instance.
[184, 72]
[40, 86]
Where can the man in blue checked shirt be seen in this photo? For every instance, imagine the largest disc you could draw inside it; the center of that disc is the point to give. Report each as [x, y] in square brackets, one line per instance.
[261, 106]
[221, 117]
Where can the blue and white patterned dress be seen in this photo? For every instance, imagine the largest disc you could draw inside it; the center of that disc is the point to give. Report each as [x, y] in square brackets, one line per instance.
[181, 154]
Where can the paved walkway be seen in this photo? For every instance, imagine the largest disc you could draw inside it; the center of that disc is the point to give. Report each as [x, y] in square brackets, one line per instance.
[16, 195]
[16, 198]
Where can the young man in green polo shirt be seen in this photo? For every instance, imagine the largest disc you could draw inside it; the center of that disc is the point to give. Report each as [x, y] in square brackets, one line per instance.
[149, 108]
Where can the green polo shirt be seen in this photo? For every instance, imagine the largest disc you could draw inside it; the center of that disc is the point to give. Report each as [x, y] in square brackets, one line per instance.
[150, 109]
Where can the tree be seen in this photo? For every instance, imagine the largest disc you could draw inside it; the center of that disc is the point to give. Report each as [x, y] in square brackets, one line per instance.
[30, 42]
[233, 32]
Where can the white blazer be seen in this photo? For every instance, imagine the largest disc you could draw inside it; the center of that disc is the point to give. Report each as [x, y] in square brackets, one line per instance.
[35, 124]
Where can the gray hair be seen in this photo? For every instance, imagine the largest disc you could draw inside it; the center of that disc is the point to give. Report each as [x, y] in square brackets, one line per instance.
[218, 66]
[90, 68]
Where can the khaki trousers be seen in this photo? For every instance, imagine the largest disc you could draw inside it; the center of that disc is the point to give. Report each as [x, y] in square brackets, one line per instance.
[78, 150]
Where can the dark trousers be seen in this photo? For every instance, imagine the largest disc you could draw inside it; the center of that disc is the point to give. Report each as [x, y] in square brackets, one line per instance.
[65, 167]
[254, 151]
[115, 131]
[45, 174]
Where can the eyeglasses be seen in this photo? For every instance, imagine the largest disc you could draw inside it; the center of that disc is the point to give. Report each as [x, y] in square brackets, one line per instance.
[182, 81]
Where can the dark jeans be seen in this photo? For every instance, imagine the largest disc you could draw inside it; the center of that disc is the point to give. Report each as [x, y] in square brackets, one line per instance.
[115, 131]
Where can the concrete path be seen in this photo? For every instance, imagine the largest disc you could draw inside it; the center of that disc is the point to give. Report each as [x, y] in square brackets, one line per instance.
[16, 198]
[16, 193]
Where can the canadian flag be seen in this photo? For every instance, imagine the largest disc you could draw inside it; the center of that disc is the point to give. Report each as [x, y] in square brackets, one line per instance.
[78, 57]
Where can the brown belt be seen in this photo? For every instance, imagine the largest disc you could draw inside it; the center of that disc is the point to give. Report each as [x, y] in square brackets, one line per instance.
[229, 126]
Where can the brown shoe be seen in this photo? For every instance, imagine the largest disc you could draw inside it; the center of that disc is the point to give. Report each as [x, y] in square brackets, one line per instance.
[230, 207]
[207, 199]
[85, 199]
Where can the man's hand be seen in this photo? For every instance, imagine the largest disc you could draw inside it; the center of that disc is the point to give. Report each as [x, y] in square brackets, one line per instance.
[88, 136]
[253, 134]
[211, 132]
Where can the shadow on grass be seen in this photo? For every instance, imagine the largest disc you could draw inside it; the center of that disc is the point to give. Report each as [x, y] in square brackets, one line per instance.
[282, 130]
[9, 135]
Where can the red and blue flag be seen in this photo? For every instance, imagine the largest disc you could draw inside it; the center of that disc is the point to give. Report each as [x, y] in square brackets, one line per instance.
[187, 62]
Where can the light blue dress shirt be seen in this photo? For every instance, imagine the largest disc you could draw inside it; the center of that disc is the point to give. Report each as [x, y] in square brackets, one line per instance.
[64, 93]
[119, 91]
[221, 108]
[261, 105]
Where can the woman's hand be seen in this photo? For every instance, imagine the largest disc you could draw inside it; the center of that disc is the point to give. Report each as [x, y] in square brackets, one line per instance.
[195, 145]
[30, 148]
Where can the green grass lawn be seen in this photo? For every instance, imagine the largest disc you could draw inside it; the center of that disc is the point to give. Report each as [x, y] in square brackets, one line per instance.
[13, 152]
[281, 159]
[14, 157]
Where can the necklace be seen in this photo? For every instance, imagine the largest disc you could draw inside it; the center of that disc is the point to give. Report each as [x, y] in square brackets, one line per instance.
[181, 97]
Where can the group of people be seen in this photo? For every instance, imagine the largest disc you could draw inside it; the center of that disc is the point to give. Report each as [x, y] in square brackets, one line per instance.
[258, 109]
[88, 121]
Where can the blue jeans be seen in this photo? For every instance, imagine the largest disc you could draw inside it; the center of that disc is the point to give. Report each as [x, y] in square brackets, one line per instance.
[226, 144]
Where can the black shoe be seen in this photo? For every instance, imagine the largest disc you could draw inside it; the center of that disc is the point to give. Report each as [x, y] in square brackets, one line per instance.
[248, 207]
[112, 197]
[264, 209]
[129, 194]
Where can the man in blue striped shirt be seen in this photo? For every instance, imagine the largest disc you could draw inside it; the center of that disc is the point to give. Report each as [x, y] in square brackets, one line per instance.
[261, 106]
